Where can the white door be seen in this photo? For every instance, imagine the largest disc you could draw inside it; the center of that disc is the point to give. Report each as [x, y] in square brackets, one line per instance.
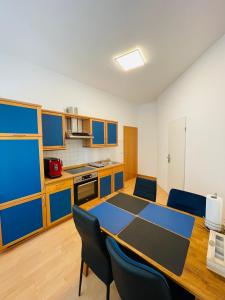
[176, 154]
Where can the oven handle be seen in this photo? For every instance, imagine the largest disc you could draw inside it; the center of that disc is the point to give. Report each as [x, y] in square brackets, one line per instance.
[82, 184]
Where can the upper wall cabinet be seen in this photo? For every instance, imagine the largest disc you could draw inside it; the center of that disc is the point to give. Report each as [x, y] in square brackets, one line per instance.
[103, 132]
[112, 133]
[98, 132]
[53, 130]
[19, 118]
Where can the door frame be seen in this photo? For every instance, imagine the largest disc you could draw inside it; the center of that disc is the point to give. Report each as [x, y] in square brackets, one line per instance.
[185, 144]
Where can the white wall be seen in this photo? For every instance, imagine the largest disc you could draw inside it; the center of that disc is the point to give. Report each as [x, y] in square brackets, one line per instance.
[147, 139]
[22, 81]
[199, 94]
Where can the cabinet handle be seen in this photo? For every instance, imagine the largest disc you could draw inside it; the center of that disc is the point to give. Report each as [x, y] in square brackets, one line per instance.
[58, 185]
[19, 135]
[88, 183]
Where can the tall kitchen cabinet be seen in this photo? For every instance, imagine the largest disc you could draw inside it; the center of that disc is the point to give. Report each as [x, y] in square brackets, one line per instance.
[22, 204]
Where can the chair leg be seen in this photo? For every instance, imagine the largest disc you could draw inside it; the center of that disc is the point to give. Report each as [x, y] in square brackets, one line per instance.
[107, 291]
[81, 272]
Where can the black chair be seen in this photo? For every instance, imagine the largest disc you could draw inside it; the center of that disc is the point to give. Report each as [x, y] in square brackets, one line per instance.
[145, 188]
[94, 252]
[187, 202]
[135, 280]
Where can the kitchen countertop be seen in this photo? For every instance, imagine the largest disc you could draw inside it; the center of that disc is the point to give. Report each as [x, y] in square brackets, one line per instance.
[66, 175]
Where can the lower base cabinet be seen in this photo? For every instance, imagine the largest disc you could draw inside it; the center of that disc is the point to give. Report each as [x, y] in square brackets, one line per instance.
[111, 180]
[105, 186]
[21, 220]
[60, 205]
[59, 201]
[118, 181]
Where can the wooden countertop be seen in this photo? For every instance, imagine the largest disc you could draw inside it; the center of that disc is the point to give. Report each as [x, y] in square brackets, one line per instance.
[66, 175]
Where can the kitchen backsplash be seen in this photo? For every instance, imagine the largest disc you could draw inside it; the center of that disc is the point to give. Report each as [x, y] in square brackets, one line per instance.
[76, 154]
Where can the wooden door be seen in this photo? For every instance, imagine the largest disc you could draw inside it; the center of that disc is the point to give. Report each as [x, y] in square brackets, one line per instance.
[130, 151]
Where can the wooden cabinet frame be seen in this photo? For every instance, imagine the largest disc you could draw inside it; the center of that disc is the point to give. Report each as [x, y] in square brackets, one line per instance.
[111, 171]
[21, 201]
[26, 136]
[54, 188]
[26, 105]
[106, 133]
[87, 126]
[55, 113]
[14, 202]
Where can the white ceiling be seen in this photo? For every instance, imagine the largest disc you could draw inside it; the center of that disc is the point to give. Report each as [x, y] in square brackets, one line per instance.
[78, 38]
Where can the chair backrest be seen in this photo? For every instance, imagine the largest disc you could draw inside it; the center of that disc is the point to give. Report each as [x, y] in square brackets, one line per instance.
[188, 202]
[94, 251]
[135, 280]
[145, 188]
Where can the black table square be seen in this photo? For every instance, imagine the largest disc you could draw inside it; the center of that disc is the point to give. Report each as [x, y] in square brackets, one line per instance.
[166, 248]
[129, 203]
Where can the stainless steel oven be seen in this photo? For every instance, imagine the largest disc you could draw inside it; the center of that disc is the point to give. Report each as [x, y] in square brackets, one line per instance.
[85, 188]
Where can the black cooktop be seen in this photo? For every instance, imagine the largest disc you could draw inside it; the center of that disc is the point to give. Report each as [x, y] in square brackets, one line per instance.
[79, 170]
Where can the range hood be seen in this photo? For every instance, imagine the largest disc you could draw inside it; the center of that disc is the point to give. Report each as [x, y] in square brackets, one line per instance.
[75, 129]
[78, 135]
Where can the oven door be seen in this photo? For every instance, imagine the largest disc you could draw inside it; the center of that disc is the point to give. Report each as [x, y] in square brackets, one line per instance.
[85, 191]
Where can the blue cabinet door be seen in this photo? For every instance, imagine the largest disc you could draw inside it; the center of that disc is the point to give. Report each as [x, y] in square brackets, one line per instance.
[118, 181]
[60, 204]
[98, 131]
[20, 169]
[18, 119]
[111, 133]
[21, 220]
[105, 186]
[52, 128]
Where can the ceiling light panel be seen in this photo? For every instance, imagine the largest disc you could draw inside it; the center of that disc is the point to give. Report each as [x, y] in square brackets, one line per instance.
[131, 60]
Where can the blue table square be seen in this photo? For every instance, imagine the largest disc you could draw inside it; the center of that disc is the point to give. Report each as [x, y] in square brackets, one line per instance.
[111, 217]
[174, 221]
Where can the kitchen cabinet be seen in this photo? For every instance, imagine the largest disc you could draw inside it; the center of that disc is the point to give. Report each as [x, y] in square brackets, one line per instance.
[98, 132]
[104, 133]
[112, 133]
[53, 130]
[105, 186]
[19, 118]
[20, 221]
[59, 201]
[21, 168]
[118, 181]
[111, 179]
[22, 210]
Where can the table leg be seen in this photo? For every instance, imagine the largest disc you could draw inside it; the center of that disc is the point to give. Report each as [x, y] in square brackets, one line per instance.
[85, 270]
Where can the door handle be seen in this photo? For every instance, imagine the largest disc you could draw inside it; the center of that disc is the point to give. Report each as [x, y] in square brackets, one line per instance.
[168, 158]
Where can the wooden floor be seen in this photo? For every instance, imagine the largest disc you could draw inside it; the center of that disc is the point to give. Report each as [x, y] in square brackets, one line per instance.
[47, 266]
